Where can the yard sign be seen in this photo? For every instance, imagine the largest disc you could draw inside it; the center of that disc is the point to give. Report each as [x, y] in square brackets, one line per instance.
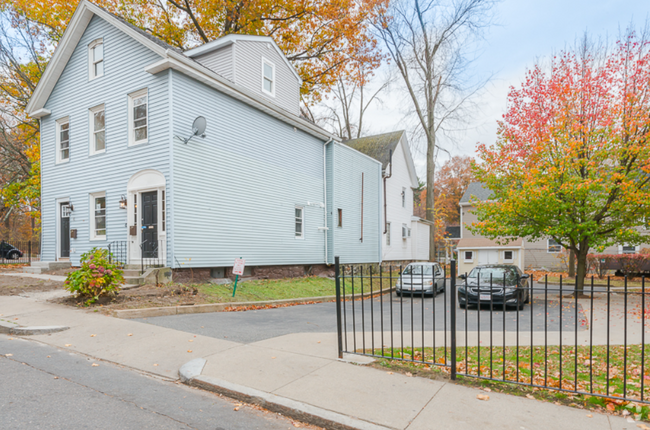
[237, 270]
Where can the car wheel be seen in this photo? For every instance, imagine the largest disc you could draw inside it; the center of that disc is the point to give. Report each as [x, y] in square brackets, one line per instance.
[13, 255]
[398, 293]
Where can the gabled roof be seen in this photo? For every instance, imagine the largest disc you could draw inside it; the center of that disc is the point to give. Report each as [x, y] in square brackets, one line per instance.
[478, 190]
[377, 146]
[233, 38]
[171, 58]
[380, 146]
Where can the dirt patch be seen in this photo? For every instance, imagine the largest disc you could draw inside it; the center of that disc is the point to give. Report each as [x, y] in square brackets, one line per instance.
[146, 296]
[14, 285]
[61, 272]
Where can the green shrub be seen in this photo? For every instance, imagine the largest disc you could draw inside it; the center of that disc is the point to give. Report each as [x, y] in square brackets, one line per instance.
[96, 277]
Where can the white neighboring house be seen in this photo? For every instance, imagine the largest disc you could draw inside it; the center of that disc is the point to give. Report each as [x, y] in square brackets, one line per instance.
[406, 237]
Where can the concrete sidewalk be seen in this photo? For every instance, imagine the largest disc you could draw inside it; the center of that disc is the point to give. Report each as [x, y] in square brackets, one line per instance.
[297, 371]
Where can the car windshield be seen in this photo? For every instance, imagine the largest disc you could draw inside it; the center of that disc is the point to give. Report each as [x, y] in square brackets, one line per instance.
[495, 273]
[418, 270]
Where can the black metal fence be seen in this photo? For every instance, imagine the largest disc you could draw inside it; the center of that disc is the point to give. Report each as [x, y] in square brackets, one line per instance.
[19, 251]
[149, 254]
[539, 333]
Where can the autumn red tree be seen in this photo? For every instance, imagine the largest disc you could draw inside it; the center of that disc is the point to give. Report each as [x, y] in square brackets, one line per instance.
[572, 159]
[452, 179]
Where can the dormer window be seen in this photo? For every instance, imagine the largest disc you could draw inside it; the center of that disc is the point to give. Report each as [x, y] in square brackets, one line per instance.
[268, 77]
[96, 58]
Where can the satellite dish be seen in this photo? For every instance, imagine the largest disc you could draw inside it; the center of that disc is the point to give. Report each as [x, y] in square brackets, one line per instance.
[198, 129]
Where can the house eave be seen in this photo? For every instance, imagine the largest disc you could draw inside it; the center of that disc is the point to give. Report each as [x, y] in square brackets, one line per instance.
[202, 74]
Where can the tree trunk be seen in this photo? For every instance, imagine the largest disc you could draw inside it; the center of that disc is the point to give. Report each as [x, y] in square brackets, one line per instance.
[572, 264]
[582, 269]
[430, 213]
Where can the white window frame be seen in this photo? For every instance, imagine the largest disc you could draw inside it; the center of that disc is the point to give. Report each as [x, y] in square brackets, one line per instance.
[302, 222]
[621, 249]
[59, 123]
[91, 115]
[91, 59]
[405, 232]
[273, 81]
[132, 97]
[468, 260]
[93, 197]
[548, 247]
[387, 234]
[508, 260]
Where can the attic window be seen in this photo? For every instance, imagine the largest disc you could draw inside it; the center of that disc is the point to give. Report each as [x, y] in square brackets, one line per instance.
[268, 77]
[96, 58]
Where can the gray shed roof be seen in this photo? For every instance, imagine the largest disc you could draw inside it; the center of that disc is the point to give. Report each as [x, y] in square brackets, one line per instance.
[478, 190]
[377, 146]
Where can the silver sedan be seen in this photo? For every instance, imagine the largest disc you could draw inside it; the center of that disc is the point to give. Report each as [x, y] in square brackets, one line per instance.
[421, 278]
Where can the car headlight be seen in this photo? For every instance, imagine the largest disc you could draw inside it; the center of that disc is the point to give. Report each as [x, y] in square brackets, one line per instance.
[429, 282]
[510, 290]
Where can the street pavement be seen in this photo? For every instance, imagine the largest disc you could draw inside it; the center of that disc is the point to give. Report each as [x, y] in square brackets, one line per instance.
[302, 368]
[47, 387]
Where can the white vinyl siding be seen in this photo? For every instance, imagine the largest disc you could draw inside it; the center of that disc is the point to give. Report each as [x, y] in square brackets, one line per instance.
[97, 130]
[98, 216]
[96, 58]
[63, 140]
[139, 117]
[72, 96]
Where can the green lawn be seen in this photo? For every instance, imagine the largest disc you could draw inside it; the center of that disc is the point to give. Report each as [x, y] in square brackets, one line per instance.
[593, 372]
[614, 283]
[278, 289]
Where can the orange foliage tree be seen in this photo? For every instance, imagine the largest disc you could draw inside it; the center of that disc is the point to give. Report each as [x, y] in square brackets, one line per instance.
[325, 40]
[572, 159]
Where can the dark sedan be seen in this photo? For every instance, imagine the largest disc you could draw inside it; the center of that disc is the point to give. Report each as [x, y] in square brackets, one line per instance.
[9, 252]
[499, 284]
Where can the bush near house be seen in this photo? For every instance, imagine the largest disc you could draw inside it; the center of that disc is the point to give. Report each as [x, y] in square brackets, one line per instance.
[96, 277]
[630, 265]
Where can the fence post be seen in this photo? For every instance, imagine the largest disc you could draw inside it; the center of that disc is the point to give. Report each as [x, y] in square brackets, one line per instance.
[29, 252]
[452, 306]
[339, 329]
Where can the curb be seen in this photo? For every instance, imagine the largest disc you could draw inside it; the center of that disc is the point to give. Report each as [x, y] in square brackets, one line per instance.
[190, 374]
[15, 329]
[220, 307]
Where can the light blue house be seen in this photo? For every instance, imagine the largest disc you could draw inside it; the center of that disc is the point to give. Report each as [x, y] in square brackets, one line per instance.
[115, 106]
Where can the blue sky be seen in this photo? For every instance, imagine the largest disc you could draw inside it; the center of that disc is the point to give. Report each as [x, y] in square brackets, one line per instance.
[525, 31]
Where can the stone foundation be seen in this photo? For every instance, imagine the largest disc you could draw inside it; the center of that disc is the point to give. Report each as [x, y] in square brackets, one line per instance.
[189, 276]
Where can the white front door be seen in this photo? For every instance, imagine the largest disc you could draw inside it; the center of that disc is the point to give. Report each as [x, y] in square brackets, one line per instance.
[488, 256]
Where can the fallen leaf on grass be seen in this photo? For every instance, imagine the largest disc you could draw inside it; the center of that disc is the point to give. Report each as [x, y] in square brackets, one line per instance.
[487, 389]
[611, 407]
[95, 365]
[295, 424]
[483, 397]
[409, 374]
[530, 396]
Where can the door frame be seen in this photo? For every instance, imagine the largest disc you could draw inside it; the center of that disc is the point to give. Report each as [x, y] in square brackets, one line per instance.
[57, 240]
[141, 182]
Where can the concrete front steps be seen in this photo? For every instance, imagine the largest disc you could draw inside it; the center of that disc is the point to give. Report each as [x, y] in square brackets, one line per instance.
[152, 275]
[38, 267]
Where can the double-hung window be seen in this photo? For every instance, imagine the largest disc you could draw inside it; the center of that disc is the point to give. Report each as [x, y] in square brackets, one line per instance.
[63, 140]
[299, 222]
[138, 117]
[96, 58]
[268, 77]
[97, 130]
[628, 249]
[98, 216]
[553, 247]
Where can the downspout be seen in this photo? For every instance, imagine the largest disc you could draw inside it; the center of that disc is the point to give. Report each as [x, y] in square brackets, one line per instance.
[390, 161]
[325, 194]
